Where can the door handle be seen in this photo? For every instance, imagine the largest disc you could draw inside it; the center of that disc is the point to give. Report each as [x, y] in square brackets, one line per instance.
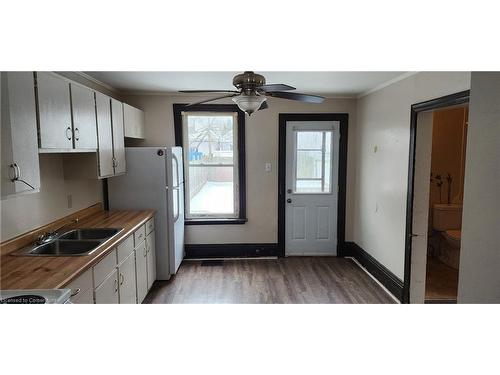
[289, 191]
[288, 200]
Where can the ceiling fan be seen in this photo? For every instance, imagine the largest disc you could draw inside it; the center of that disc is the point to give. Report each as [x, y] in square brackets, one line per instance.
[252, 92]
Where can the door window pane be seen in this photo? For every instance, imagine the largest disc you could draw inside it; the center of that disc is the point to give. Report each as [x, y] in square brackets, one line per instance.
[309, 140]
[313, 161]
[309, 164]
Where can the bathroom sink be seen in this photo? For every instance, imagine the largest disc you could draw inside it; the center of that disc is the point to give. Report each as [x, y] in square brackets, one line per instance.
[89, 234]
[65, 248]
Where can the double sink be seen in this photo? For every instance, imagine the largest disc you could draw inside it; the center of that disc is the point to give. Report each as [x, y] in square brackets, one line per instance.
[75, 242]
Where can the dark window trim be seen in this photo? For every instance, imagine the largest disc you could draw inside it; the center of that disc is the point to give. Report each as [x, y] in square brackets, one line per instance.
[343, 118]
[442, 102]
[178, 109]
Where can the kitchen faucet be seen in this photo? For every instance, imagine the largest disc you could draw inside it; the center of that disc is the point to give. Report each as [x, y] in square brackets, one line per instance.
[53, 234]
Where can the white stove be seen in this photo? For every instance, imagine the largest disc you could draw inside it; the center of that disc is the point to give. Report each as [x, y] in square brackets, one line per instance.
[35, 296]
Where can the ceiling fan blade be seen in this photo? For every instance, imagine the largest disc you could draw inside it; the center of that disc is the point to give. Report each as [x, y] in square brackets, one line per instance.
[264, 105]
[207, 91]
[275, 87]
[212, 99]
[296, 96]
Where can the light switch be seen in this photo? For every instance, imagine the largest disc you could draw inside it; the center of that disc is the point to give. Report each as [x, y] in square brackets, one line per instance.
[268, 167]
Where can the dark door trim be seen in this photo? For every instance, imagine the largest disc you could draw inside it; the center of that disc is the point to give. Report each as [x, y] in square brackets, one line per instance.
[341, 210]
[445, 101]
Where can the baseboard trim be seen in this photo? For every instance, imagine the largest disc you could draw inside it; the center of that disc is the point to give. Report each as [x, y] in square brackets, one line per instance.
[379, 271]
[231, 250]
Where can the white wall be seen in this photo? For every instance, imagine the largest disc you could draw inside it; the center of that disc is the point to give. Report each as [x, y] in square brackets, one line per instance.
[383, 122]
[261, 147]
[479, 275]
[23, 213]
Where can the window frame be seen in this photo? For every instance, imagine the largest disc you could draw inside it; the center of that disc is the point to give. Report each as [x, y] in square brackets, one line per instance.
[178, 109]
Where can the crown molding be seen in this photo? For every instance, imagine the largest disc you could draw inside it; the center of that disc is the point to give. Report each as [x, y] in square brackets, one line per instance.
[100, 83]
[387, 83]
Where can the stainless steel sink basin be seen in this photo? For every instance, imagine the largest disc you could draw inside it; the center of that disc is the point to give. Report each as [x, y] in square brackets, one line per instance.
[76, 242]
[65, 248]
[89, 234]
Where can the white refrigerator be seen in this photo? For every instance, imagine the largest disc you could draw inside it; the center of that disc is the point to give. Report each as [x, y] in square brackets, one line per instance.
[155, 180]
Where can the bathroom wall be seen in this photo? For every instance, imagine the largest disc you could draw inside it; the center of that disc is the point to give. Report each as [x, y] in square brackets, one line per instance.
[449, 136]
[23, 213]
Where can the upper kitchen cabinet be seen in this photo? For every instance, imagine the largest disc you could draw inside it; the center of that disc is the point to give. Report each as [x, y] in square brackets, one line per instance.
[54, 112]
[66, 115]
[118, 136]
[20, 168]
[105, 135]
[84, 117]
[133, 122]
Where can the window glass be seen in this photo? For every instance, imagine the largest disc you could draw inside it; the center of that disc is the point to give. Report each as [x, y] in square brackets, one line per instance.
[313, 161]
[210, 148]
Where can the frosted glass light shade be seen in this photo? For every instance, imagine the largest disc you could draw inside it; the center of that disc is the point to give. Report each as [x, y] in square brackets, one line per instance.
[249, 103]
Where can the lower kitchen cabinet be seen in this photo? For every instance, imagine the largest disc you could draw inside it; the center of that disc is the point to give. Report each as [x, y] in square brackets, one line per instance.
[151, 258]
[83, 297]
[126, 278]
[107, 292]
[141, 270]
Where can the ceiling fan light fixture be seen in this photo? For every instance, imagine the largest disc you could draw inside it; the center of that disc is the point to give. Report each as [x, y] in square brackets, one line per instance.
[249, 103]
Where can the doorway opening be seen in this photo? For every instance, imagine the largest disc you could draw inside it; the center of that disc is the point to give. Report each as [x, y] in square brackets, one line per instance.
[435, 198]
[312, 184]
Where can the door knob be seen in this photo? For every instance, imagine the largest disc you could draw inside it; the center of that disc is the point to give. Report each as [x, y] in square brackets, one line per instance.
[289, 191]
[288, 200]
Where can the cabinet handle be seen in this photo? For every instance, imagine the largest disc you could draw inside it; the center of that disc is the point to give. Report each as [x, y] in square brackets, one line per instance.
[145, 252]
[77, 134]
[68, 135]
[74, 292]
[116, 285]
[121, 279]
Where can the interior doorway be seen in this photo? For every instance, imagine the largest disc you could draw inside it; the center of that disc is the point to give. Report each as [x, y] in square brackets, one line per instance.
[435, 199]
[312, 184]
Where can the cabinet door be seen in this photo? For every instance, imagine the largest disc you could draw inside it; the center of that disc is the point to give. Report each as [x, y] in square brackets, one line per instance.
[19, 146]
[107, 292]
[118, 136]
[84, 117]
[126, 279]
[85, 297]
[104, 134]
[133, 121]
[54, 110]
[141, 272]
[151, 258]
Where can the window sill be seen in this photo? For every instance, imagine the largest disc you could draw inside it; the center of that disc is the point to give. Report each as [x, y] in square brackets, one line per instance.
[214, 221]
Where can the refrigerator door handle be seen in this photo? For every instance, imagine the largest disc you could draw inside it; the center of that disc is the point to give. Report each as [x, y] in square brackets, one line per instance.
[176, 217]
[174, 159]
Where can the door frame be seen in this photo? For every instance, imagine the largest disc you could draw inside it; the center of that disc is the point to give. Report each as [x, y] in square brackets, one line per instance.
[343, 119]
[441, 102]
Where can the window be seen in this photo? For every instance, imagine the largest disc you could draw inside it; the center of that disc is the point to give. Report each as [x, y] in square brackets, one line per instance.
[212, 138]
[313, 161]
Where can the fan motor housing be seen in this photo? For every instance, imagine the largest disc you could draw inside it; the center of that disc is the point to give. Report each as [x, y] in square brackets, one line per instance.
[248, 80]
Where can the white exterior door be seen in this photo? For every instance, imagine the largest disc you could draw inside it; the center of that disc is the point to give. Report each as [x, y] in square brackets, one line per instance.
[312, 164]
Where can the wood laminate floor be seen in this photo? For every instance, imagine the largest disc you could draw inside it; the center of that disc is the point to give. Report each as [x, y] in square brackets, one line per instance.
[441, 282]
[282, 280]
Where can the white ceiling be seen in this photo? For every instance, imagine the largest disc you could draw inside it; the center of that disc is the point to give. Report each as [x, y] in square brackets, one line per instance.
[322, 83]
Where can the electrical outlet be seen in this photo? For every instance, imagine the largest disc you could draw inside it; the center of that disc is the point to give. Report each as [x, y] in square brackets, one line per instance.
[268, 167]
[70, 200]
